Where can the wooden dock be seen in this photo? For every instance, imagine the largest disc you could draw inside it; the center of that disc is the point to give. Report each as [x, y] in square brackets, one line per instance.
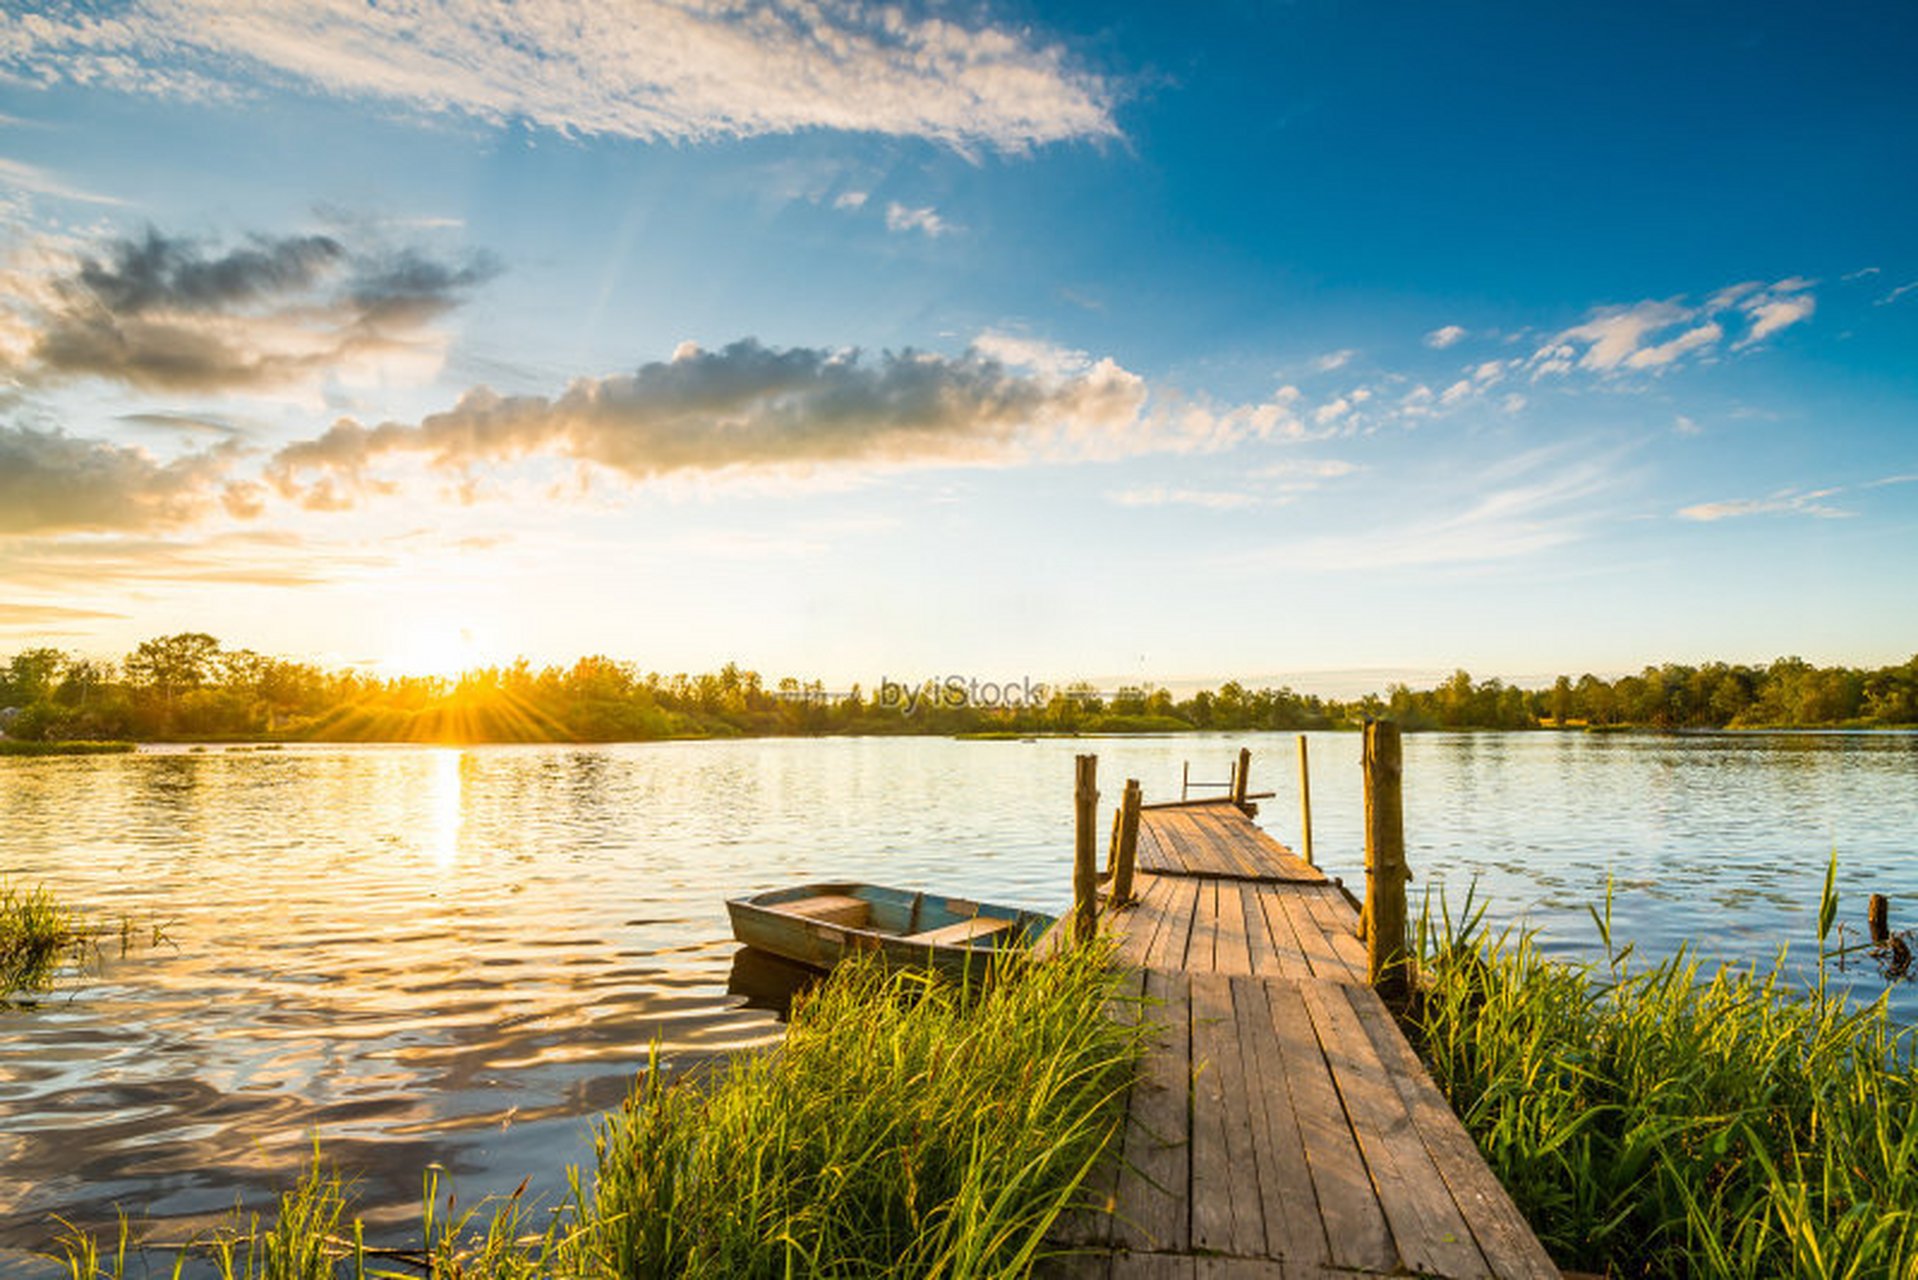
[1282, 1126]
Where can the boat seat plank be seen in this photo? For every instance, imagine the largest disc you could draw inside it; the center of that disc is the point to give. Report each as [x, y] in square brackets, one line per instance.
[831, 908]
[964, 931]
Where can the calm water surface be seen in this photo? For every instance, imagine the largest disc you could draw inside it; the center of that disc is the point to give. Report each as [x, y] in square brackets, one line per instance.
[462, 956]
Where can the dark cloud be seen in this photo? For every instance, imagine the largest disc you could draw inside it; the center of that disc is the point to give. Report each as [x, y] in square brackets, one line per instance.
[167, 313]
[746, 405]
[51, 482]
[159, 272]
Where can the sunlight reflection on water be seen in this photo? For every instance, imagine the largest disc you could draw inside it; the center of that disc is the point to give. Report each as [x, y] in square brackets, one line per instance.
[430, 954]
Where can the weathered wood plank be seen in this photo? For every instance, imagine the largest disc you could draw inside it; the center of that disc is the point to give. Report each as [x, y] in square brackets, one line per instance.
[1227, 1216]
[1152, 1201]
[1294, 1230]
[1075, 1266]
[1500, 1230]
[1430, 1233]
[1320, 957]
[1201, 952]
[1288, 955]
[1231, 950]
[1340, 925]
[1153, 1266]
[1139, 925]
[1260, 955]
[1169, 946]
[1355, 1225]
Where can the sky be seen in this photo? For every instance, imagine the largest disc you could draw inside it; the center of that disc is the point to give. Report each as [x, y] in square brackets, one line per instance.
[1314, 341]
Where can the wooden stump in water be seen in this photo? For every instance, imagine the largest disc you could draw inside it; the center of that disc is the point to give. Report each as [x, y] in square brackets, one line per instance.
[1878, 916]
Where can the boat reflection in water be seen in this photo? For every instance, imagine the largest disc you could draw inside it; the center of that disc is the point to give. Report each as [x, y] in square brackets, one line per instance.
[768, 982]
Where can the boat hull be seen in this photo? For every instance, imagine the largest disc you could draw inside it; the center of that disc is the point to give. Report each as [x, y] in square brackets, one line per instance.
[820, 925]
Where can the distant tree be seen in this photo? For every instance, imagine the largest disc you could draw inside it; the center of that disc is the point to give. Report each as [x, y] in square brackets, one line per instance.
[32, 675]
[172, 665]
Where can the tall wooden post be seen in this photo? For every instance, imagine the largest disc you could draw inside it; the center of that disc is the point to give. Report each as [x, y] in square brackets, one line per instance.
[1387, 964]
[1305, 803]
[1240, 775]
[1085, 861]
[1878, 918]
[1120, 892]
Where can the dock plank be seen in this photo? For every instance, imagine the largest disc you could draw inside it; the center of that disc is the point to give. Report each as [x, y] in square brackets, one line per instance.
[1430, 1233]
[1152, 1201]
[1231, 948]
[1227, 1216]
[1294, 1229]
[1500, 1230]
[1355, 1224]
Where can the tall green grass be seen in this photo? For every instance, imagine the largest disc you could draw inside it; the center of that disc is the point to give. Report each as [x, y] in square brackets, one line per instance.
[36, 934]
[1672, 1119]
[908, 1125]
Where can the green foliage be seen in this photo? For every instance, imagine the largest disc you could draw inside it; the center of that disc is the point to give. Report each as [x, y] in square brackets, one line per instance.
[36, 933]
[1673, 1121]
[187, 687]
[62, 747]
[907, 1126]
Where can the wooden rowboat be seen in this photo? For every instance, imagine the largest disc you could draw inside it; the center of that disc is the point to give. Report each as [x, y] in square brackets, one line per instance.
[821, 924]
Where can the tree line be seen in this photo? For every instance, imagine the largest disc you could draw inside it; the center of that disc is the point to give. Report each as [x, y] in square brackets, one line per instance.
[190, 687]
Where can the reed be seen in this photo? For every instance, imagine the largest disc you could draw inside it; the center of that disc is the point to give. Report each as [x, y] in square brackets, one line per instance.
[1673, 1119]
[908, 1125]
[36, 935]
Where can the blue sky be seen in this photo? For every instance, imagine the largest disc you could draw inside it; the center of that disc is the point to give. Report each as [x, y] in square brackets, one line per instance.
[1302, 341]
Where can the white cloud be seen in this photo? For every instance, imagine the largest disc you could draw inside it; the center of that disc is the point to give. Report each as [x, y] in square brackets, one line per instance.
[1665, 353]
[1659, 334]
[901, 218]
[1790, 502]
[850, 200]
[37, 181]
[1860, 274]
[1331, 411]
[648, 69]
[1334, 360]
[1897, 293]
[1685, 426]
[1159, 496]
[1445, 337]
[1770, 313]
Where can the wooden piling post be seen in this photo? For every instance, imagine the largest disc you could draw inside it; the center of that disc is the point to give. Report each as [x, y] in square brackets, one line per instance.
[1085, 862]
[1240, 775]
[1387, 964]
[1305, 804]
[1878, 917]
[1120, 892]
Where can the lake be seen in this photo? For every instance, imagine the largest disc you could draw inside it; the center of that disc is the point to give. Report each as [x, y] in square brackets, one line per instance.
[462, 955]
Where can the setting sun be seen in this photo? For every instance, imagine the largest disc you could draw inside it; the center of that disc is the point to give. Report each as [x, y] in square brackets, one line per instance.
[432, 649]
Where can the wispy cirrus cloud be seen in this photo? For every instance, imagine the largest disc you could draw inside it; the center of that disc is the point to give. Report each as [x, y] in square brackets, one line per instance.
[1785, 502]
[1162, 496]
[37, 181]
[647, 69]
[166, 313]
[1655, 335]
[1532, 502]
